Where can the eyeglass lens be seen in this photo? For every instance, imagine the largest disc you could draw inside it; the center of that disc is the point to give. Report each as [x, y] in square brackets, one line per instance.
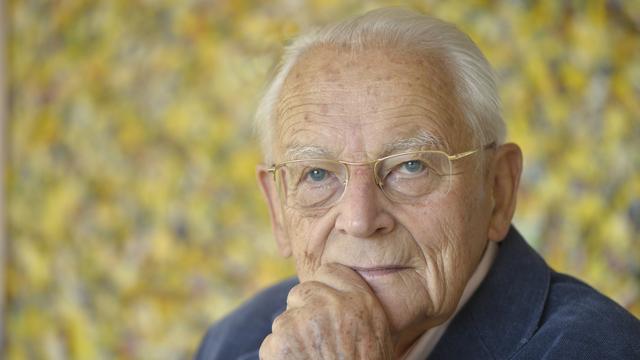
[314, 184]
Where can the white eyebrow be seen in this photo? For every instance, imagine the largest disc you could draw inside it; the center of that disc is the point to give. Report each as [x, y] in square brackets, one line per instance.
[307, 152]
[422, 140]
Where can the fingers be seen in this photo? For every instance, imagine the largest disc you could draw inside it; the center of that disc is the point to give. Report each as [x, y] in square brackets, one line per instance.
[329, 277]
[275, 347]
[271, 348]
[342, 278]
[325, 282]
[307, 292]
[285, 320]
[265, 348]
[333, 314]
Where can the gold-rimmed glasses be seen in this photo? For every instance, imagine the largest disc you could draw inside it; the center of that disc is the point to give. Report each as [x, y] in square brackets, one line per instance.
[311, 184]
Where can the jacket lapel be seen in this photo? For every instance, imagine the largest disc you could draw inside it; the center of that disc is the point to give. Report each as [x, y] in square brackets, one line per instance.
[255, 355]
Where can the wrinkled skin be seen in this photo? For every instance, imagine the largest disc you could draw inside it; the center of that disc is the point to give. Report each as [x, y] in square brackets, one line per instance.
[353, 106]
[335, 315]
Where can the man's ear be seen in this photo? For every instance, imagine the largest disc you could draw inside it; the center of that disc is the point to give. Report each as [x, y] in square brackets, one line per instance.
[268, 186]
[507, 168]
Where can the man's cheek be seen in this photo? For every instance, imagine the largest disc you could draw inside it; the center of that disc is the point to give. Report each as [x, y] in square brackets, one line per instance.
[309, 236]
[307, 263]
[306, 259]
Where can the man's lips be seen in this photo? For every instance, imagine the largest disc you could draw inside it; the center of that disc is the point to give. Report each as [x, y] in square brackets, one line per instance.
[376, 271]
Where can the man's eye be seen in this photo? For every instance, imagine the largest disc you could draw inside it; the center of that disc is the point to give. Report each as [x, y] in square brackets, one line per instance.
[412, 166]
[317, 174]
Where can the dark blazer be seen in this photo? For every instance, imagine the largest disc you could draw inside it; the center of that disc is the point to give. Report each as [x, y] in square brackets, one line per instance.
[522, 310]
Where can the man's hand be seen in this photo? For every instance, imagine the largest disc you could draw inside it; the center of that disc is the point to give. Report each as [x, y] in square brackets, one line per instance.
[335, 315]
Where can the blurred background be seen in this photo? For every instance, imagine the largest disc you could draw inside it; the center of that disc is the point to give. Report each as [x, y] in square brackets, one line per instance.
[133, 216]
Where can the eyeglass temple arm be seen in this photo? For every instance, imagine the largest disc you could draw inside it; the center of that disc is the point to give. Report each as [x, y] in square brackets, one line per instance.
[490, 145]
[467, 153]
[272, 170]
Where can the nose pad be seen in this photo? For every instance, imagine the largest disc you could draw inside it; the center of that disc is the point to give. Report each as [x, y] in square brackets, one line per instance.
[361, 212]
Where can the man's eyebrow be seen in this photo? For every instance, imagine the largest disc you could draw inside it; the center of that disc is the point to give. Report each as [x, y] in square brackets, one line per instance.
[422, 140]
[294, 152]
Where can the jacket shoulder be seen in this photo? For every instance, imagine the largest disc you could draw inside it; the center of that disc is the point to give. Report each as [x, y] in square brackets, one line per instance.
[578, 322]
[242, 331]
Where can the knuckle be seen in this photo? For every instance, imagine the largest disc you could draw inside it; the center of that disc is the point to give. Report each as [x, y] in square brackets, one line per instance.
[310, 292]
[287, 322]
[330, 269]
[280, 321]
[276, 347]
[300, 291]
[265, 347]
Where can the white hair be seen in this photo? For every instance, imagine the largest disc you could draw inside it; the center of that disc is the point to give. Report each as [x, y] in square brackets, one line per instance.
[474, 79]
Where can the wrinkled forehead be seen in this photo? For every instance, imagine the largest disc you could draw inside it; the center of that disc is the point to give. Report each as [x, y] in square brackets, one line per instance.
[361, 101]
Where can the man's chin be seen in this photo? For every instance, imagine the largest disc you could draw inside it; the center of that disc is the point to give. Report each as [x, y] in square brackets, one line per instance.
[403, 298]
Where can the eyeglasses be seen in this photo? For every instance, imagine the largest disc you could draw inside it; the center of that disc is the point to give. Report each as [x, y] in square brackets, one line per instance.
[313, 184]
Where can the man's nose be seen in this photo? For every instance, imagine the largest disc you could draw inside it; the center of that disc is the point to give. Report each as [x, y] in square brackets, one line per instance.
[362, 213]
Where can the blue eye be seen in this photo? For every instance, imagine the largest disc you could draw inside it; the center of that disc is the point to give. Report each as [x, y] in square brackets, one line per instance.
[413, 166]
[317, 174]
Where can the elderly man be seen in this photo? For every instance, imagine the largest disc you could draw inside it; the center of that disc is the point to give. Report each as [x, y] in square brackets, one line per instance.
[390, 184]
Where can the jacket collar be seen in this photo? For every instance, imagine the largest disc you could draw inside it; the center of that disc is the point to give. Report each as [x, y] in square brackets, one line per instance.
[504, 312]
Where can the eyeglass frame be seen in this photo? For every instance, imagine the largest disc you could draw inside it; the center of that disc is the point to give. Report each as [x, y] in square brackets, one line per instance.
[378, 181]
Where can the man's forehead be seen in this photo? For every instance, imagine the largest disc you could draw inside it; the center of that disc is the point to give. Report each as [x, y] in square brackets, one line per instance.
[329, 101]
[337, 69]
[327, 63]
